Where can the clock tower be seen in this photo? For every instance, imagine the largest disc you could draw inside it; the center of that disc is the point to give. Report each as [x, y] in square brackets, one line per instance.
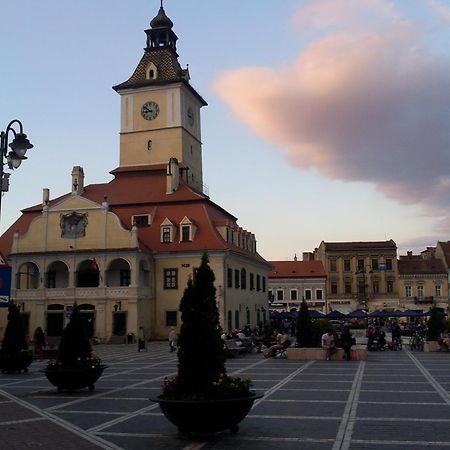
[160, 110]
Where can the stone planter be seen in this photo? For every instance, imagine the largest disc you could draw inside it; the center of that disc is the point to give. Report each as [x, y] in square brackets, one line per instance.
[15, 363]
[73, 378]
[318, 354]
[431, 346]
[206, 416]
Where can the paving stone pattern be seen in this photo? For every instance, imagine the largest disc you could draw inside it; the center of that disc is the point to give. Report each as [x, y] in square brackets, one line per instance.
[394, 400]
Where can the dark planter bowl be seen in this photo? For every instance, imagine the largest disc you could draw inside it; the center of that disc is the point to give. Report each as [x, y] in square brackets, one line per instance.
[15, 363]
[72, 378]
[206, 416]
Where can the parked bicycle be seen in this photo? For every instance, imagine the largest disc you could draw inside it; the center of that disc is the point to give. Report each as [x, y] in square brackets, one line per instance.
[416, 342]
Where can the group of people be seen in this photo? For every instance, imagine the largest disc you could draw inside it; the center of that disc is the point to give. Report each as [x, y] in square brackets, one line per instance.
[329, 343]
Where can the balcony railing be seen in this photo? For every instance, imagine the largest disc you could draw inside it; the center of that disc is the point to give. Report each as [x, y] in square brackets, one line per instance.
[423, 300]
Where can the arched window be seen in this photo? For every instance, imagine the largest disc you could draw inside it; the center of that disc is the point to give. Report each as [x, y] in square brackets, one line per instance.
[57, 275]
[118, 273]
[236, 319]
[248, 315]
[28, 276]
[88, 274]
[151, 73]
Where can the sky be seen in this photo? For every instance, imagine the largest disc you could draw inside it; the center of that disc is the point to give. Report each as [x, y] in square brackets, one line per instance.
[326, 119]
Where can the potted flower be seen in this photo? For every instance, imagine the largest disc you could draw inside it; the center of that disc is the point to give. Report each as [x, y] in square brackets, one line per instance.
[76, 366]
[202, 398]
[15, 355]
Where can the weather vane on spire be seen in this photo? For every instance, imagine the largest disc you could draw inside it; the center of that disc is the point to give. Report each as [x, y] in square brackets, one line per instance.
[161, 3]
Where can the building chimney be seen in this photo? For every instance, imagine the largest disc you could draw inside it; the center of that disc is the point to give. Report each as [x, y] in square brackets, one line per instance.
[409, 254]
[173, 176]
[308, 256]
[77, 180]
[295, 257]
[45, 196]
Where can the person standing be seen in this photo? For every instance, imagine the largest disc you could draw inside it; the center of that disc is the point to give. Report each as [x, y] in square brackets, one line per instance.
[39, 342]
[328, 344]
[172, 339]
[347, 342]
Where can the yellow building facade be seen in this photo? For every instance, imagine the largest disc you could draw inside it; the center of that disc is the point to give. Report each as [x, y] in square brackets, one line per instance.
[124, 250]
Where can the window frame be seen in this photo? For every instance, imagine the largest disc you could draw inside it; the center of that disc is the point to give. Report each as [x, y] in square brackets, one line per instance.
[170, 280]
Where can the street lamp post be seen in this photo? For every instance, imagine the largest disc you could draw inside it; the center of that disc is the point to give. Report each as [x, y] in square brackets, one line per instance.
[15, 156]
[364, 272]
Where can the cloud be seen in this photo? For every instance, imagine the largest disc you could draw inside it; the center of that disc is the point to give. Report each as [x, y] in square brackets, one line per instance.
[359, 103]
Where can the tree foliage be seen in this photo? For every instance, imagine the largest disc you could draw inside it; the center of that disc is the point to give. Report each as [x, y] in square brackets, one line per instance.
[201, 358]
[303, 326]
[14, 339]
[74, 346]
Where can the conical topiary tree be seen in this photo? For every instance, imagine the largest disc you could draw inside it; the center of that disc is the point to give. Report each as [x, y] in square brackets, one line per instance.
[14, 339]
[74, 346]
[303, 326]
[201, 358]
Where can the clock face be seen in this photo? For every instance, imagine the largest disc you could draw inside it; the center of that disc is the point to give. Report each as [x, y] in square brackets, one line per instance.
[190, 116]
[150, 110]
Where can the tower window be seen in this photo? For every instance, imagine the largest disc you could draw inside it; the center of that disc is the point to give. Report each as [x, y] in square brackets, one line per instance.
[152, 72]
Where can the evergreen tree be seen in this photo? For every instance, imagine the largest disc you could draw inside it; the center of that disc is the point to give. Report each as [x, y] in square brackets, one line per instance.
[15, 339]
[435, 324]
[74, 345]
[201, 358]
[303, 326]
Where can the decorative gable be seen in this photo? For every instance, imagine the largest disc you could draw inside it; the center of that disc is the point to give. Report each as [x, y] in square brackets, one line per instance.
[168, 231]
[187, 230]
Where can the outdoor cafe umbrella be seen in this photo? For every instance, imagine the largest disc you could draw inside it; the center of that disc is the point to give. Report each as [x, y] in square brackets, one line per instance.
[382, 314]
[314, 314]
[412, 313]
[357, 314]
[335, 314]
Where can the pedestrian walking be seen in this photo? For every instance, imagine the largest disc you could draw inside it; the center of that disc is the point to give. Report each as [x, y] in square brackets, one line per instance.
[39, 343]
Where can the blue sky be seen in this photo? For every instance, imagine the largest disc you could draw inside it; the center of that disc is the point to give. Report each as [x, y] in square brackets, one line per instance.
[289, 182]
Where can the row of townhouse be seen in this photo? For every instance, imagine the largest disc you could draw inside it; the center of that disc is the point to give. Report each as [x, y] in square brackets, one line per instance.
[369, 275]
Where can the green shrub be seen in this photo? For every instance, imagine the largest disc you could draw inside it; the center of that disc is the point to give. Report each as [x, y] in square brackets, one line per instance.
[303, 326]
[14, 340]
[319, 327]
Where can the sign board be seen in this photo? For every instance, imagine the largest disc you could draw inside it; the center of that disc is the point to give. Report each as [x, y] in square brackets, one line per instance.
[381, 266]
[5, 285]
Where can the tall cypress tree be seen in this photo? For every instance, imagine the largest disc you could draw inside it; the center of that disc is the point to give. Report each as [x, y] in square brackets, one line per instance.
[15, 338]
[304, 326]
[201, 358]
[74, 345]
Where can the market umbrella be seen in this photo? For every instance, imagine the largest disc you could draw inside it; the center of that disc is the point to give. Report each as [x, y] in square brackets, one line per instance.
[314, 314]
[381, 313]
[412, 313]
[357, 314]
[335, 314]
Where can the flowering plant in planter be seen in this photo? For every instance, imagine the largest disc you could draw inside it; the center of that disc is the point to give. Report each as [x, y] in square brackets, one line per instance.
[15, 355]
[76, 366]
[202, 397]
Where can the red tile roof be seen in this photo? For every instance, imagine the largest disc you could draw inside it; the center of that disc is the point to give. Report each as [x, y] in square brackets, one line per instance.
[413, 266]
[143, 191]
[446, 250]
[297, 269]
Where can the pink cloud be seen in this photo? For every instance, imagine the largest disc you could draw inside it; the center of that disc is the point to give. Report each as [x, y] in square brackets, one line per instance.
[356, 104]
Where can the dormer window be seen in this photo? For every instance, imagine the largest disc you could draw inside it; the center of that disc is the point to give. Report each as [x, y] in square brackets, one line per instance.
[151, 73]
[186, 233]
[167, 231]
[188, 230]
[141, 220]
